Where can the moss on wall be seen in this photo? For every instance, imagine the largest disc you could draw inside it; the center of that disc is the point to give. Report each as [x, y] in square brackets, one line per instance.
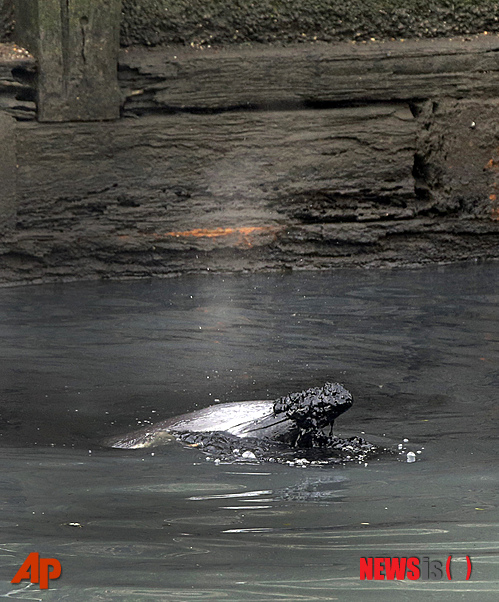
[215, 22]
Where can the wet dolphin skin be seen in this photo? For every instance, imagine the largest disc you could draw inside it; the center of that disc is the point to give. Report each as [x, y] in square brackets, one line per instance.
[299, 420]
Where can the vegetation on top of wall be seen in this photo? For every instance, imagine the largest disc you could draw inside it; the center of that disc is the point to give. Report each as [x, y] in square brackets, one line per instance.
[217, 22]
[220, 22]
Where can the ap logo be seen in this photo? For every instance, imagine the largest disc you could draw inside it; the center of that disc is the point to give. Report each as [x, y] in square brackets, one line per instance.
[37, 570]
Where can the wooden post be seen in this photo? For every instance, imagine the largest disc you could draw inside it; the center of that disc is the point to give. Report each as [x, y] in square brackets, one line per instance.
[7, 172]
[76, 45]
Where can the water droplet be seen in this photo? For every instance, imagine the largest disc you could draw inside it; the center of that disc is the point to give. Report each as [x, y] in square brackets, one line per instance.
[411, 457]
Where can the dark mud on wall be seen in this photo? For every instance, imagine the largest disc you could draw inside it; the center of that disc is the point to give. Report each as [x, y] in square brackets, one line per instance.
[208, 22]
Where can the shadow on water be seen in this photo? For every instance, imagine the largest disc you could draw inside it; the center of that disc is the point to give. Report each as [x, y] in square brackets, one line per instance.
[80, 362]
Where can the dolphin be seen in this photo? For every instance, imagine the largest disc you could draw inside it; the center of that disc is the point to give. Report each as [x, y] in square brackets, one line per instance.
[298, 420]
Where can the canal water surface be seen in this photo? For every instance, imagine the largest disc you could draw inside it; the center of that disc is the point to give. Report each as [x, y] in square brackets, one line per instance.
[419, 350]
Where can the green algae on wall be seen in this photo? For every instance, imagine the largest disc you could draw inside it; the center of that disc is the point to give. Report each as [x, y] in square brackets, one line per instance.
[216, 22]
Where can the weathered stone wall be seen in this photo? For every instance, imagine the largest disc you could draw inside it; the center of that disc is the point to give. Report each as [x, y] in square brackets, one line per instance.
[253, 156]
[215, 22]
[246, 160]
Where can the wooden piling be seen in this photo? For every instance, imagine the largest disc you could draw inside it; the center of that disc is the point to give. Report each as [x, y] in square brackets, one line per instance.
[7, 172]
[76, 45]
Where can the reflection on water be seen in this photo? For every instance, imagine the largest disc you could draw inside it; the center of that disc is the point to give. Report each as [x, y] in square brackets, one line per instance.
[418, 349]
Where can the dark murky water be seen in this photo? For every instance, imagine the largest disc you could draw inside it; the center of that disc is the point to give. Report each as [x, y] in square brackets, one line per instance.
[419, 351]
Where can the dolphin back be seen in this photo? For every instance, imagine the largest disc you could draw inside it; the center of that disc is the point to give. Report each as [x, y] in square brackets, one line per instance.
[237, 418]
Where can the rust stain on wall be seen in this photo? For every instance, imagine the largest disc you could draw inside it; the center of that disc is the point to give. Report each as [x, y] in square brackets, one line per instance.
[216, 232]
[243, 235]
